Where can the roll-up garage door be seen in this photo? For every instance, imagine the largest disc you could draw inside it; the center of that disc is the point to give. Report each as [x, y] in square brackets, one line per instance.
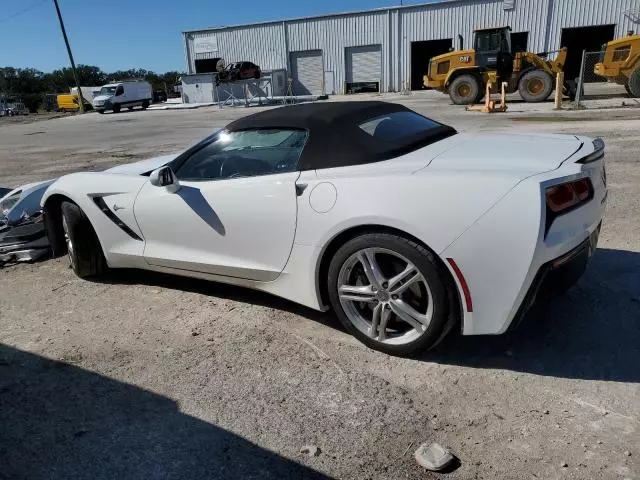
[307, 72]
[364, 64]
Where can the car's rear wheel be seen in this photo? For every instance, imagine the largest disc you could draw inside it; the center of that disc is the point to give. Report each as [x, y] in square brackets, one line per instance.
[389, 292]
[83, 246]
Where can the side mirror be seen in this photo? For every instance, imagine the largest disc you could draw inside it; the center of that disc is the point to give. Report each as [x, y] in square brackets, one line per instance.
[164, 177]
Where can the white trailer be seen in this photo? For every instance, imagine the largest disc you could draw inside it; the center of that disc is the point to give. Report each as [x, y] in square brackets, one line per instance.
[87, 92]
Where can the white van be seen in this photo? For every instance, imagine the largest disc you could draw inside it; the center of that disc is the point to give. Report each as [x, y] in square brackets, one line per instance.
[129, 94]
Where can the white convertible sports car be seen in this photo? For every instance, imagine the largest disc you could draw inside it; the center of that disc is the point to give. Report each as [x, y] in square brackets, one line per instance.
[403, 226]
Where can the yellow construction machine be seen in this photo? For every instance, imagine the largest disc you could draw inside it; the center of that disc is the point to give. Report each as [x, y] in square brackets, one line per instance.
[620, 63]
[464, 74]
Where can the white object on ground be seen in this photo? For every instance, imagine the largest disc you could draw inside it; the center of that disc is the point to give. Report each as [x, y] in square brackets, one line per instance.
[310, 450]
[433, 457]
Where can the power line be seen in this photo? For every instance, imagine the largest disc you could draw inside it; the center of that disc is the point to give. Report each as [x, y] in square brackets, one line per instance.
[28, 9]
[73, 64]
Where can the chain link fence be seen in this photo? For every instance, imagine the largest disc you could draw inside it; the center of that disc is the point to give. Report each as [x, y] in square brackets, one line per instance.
[588, 83]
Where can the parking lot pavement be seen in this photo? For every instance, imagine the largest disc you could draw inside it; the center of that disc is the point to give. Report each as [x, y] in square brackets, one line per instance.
[144, 375]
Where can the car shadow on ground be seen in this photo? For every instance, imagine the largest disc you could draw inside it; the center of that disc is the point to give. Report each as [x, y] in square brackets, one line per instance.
[592, 332]
[59, 421]
[219, 290]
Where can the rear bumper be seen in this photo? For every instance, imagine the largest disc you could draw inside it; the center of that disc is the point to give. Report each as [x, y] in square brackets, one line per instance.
[557, 276]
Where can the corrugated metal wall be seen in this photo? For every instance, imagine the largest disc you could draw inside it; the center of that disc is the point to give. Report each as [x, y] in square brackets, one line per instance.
[268, 44]
[441, 21]
[573, 13]
[332, 35]
[260, 44]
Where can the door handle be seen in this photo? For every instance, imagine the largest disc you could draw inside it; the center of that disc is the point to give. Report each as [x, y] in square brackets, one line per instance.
[300, 188]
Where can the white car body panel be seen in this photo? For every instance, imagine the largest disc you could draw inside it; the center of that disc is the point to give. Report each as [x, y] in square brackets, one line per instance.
[500, 278]
[242, 227]
[476, 199]
[143, 166]
[117, 190]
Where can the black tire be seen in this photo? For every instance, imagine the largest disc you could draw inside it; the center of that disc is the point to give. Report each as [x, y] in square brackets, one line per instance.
[100, 111]
[633, 84]
[130, 109]
[428, 266]
[145, 104]
[465, 90]
[85, 252]
[116, 108]
[535, 86]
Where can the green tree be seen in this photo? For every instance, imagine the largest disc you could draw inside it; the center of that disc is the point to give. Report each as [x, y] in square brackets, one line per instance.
[30, 84]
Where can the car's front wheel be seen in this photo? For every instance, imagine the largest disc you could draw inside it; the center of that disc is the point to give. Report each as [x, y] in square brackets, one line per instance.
[83, 246]
[390, 293]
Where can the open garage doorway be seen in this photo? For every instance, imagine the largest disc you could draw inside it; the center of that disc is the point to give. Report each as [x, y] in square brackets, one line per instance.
[206, 65]
[421, 54]
[578, 39]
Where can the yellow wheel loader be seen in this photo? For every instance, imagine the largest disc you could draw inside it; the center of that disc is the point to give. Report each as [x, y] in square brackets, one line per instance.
[620, 63]
[464, 74]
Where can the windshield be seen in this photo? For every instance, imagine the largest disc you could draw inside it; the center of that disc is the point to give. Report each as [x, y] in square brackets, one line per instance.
[108, 91]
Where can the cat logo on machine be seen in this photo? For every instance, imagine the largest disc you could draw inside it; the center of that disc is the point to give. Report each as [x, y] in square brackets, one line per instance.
[465, 59]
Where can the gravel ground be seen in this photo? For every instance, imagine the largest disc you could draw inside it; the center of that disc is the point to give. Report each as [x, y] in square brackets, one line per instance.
[149, 376]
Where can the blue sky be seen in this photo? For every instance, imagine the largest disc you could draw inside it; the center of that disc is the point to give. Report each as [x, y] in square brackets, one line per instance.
[123, 34]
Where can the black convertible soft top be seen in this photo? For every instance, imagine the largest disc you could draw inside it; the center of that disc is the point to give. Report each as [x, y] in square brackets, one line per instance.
[335, 136]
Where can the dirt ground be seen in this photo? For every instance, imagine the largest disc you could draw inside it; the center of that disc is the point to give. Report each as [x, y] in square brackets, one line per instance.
[31, 118]
[143, 375]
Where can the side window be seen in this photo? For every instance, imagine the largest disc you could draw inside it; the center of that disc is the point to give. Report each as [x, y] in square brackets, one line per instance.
[119, 90]
[246, 153]
[397, 126]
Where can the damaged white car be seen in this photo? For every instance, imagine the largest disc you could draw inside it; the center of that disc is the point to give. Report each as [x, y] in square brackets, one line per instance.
[22, 234]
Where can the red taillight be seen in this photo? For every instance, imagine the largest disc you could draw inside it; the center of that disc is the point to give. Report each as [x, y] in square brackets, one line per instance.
[568, 195]
[583, 189]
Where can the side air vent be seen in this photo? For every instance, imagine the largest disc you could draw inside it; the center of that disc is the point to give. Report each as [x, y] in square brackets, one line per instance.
[99, 201]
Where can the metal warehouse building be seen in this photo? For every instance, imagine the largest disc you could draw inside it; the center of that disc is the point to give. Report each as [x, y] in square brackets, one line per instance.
[389, 49]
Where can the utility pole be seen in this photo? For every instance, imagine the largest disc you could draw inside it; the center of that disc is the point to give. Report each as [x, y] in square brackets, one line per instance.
[73, 65]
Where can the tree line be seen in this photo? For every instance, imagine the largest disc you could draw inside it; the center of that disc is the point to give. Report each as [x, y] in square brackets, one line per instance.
[31, 85]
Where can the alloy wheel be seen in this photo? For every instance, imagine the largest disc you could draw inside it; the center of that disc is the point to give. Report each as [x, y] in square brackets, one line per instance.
[67, 239]
[385, 296]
